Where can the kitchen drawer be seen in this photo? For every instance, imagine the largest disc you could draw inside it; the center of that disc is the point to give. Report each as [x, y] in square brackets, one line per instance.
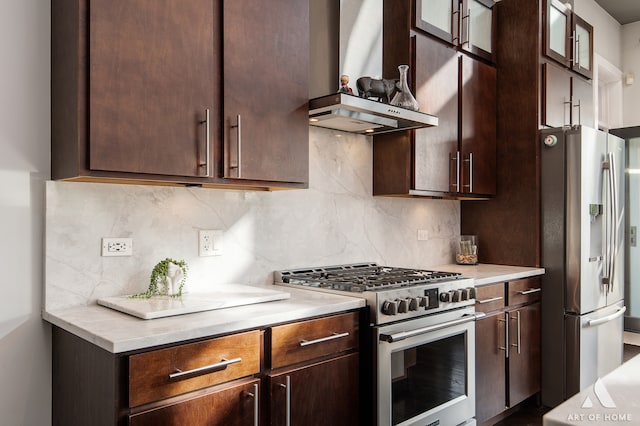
[306, 340]
[166, 372]
[490, 297]
[524, 291]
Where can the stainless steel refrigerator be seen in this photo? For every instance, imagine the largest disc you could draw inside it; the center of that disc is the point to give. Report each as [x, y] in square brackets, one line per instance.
[582, 213]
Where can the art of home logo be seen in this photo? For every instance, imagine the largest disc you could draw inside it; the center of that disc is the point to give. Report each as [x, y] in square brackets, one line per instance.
[593, 411]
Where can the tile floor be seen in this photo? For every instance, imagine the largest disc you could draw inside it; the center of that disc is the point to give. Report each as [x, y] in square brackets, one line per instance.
[531, 414]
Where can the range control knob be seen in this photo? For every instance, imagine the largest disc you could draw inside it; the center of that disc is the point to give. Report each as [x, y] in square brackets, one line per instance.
[423, 301]
[445, 297]
[403, 306]
[390, 307]
[414, 304]
[455, 295]
[464, 294]
[472, 293]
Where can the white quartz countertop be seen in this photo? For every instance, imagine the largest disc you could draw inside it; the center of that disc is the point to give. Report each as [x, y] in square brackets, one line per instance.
[484, 273]
[118, 332]
[612, 400]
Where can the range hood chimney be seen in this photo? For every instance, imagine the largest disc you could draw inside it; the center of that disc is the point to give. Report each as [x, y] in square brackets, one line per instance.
[352, 28]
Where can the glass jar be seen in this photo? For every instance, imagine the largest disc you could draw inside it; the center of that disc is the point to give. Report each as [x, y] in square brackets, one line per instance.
[467, 250]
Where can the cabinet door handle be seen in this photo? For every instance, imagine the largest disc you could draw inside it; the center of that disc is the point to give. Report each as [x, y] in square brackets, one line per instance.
[467, 40]
[455, 158]
[207, 131]
[564, 112]
[238, 127]
[287, 387]
[574, 59]
[179, 374]
[333, 336]
[579, 111]
[470, 161]
[530, 291]
[506, 335]
[256, 404]
[517, 318]
[455, 20]
[493, 299]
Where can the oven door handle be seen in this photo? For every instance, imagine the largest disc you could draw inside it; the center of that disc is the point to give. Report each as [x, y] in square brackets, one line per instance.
[396, 337]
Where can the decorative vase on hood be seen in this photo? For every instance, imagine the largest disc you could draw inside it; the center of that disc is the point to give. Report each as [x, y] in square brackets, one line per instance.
[403, 98]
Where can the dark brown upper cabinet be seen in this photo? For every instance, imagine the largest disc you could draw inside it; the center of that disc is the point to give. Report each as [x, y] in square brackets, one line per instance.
[265, 90]
[456, 159]
[568, 39]
[567, 99]
[477, 155]
[467, 24]
[146, 93]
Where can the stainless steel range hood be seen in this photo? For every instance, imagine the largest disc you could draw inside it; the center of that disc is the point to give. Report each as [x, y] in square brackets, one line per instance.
[350, 113]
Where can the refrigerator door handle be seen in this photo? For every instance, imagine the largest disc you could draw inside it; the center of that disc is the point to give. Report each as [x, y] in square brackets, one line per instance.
[600, 321]
[613, 171]
[611, 234]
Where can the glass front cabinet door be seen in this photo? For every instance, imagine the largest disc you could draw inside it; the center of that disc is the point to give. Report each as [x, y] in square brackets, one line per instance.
[466, 24]
[438, 18]
[582, 47]
[568, 38]
[477, 27]
[558, 32]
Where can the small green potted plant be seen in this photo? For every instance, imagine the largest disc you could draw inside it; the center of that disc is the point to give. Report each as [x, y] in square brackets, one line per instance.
[167, 279]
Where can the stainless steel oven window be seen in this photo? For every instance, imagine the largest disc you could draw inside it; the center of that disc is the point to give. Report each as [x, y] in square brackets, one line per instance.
[427, 378]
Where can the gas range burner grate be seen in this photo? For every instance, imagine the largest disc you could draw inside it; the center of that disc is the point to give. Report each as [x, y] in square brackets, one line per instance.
[363, 277]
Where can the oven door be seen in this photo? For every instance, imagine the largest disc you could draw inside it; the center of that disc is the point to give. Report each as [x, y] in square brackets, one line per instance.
[426, 370]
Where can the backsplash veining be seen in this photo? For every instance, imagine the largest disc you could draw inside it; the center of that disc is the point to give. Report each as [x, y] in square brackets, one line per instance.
[335, 221]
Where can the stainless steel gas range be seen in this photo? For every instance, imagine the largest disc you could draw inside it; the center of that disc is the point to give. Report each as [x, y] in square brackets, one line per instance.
[422, 335]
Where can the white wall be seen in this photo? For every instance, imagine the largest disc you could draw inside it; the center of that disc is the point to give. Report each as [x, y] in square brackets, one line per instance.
[606, 30]
[361, 39]
[25, 350]
[335, 221]
[631, 64]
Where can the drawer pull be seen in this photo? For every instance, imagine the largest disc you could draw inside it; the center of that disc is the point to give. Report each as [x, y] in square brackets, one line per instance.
[530, 291]
[493, 299]
[179, 374]
[334, 336]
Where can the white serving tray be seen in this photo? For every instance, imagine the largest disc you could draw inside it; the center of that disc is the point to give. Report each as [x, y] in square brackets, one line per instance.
[225, 296]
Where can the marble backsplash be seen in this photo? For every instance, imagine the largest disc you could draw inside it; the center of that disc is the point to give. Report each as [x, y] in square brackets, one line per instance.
[335, 221]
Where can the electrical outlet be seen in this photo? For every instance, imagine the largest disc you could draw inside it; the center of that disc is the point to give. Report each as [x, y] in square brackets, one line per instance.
[210, 242]
[117, 246]
[423, 235]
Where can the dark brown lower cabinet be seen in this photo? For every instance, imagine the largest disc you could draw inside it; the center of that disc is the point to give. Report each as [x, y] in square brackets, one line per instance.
[507, 347]
[490, 367]
[221, 380]
[524, 355]
[233, 405]
[316, 395]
